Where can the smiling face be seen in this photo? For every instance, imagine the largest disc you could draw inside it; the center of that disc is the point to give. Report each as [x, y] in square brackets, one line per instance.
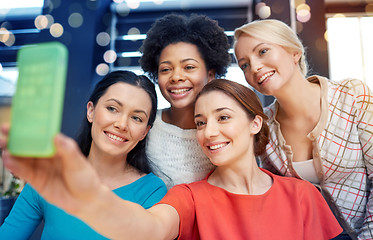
[119, 119]
[182, 74]
[267, 67]
[224, 130]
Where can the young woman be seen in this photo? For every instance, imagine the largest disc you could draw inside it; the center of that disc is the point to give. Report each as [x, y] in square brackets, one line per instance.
[120, 112]
[321, 130]
[237, 200]
[181, 54]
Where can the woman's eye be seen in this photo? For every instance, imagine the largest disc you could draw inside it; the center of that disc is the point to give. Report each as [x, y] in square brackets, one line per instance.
[189, 67]
[164, 70]
[263, 51]
[223, 118]
[200, 123]
[244, 66]
[137, 119]
[111, 109]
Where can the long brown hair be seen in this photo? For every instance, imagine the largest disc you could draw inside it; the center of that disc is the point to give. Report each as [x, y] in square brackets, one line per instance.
[249, 102]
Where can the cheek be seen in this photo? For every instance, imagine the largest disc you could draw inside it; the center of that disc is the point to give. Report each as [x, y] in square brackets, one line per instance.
[200, 138]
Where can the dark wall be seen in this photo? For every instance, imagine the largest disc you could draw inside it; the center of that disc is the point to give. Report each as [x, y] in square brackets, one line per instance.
[311, 32]
[84, 54]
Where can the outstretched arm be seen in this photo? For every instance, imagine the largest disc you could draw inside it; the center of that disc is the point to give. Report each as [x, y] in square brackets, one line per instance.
[68, 181]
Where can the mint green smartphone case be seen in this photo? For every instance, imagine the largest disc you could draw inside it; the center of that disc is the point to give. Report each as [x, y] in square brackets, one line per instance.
[37, 105]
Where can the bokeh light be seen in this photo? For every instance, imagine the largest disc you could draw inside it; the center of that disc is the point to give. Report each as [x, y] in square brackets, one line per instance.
[369, 8]
[299, 2]
[326, 36]
[41, 22]
[133, 4]
[75, 20]
[264, 12]
[56, 30]
[303, 16]
[158, 2]
[122, 9]
[103, 39]
[102, 69]
[133, 31]
[320, 44]
[110, 56]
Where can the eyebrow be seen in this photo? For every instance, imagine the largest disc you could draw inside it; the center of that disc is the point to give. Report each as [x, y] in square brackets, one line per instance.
[121, 104]
[182, 61]
[216, 110]
[254, 49]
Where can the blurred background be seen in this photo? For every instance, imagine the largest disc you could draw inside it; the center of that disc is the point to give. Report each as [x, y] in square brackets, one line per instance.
[104, 35]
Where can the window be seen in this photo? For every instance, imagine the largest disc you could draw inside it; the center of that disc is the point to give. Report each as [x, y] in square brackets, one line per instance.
[350, 48]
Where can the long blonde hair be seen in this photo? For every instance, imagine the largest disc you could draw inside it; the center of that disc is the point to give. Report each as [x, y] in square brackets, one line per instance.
[276, 32]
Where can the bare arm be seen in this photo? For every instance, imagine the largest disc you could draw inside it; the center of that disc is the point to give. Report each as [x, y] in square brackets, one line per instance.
[70, 182]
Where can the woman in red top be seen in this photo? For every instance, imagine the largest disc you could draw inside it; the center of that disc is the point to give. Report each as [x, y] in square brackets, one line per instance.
[238, 200]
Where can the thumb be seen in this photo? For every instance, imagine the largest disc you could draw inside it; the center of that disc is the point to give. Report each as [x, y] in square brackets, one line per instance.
[69, 153]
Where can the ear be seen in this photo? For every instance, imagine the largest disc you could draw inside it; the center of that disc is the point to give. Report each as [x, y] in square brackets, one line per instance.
[296, 56]
[145, 132]
[211, 75]
[90, 111]
[256, 124]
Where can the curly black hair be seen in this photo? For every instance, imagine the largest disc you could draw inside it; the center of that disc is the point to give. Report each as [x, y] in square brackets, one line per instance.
[199, 30]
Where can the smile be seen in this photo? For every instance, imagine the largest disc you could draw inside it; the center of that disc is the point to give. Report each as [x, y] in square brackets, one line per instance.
[217, 146]
[114, 137]
[265, 76]
[179, 91]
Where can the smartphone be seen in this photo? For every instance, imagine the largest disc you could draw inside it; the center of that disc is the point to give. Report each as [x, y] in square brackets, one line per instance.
[37, 105]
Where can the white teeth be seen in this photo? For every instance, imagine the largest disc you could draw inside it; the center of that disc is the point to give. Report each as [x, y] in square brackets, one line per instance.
[179, 91]
[114, 137]
[217, 146]
[265, 76]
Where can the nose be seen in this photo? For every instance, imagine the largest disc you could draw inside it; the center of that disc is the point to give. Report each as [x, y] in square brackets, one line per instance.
[178, 75]
[121, 123]
[211, 129]
[256, 65]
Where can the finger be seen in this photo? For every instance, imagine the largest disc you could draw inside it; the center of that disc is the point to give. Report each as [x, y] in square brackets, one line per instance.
[4, 135]
[5, 129]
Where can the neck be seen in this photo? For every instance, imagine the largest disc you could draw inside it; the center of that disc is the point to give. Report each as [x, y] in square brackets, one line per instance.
[182, 118]
[113, 171]
[244, 179]
[295, 96]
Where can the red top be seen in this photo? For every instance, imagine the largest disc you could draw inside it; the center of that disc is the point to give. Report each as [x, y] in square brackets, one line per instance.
[290, 209]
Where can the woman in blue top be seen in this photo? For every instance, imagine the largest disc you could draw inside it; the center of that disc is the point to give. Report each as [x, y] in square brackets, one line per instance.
[120, 112]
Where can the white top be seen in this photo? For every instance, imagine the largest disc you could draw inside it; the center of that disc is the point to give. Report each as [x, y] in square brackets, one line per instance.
[306, 170]
[175, 153]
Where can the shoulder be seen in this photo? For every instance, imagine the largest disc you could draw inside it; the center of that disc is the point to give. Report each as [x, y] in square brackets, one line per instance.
[351, 87]
[291, 183]
[150, 181]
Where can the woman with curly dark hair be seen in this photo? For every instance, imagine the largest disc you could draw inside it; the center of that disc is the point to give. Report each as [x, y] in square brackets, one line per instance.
[181, 54]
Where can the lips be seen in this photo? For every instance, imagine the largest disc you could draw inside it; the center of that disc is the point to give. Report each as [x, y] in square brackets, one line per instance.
[265, 76]
[115, 137]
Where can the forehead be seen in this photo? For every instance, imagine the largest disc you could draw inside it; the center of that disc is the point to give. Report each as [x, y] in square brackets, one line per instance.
[248, 41]
[181, 50]
[128, 94]
[213, 100]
